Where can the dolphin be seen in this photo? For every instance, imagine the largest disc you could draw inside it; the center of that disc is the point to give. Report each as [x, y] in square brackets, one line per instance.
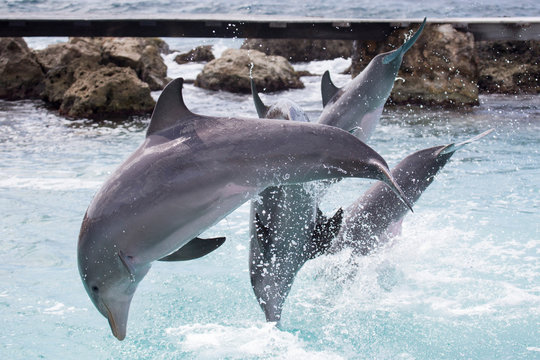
[286, 229]
[377, 216]
[189, 173]
[357, 106]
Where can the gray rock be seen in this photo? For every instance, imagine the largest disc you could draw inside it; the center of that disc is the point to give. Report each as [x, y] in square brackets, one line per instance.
[439, 69]
[508, 67]
[199, 54]
[66, 62]
[140, 54]
[231, 72]
[300, 50]
[109, 91]
[20, 74]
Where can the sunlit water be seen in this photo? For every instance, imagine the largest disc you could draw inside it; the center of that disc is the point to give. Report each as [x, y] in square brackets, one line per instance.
[463, 280]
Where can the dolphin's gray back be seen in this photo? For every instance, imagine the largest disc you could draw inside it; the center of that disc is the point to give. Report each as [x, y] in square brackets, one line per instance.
[358, 105]
[281, 227]
[209, 175]
[377, 210]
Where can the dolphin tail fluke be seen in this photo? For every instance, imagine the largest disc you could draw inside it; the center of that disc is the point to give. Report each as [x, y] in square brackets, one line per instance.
[195, 249]
[259, 105]
[398, 53]
[389, 180]
[328, 89]
[325, 231]
[451, 148]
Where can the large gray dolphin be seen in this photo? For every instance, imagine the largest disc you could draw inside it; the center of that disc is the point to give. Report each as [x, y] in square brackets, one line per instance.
[357, 106]
[189, 173]
[377, 215]
[286, 228]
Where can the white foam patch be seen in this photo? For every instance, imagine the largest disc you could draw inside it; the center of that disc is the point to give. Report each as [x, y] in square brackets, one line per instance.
[431, 269]
[187, 71]
[59, 309]
[335, 66]
[49, 183]
[213, 341]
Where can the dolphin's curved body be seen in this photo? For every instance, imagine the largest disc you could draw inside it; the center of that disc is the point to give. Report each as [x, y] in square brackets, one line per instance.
[189, 173]
[377, 215]
[357, 106]
[286, 228]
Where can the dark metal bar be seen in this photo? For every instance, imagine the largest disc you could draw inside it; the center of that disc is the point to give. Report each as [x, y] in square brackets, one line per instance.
[223, 26]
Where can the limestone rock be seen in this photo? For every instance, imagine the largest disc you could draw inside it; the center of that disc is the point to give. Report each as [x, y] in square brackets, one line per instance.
[140, 54]
[76, 51]
[65, 63]
[231, 72]
[109, 91]
[199, 54]
[300, 50]
[20, 73]
[508, 67]
[439, 69]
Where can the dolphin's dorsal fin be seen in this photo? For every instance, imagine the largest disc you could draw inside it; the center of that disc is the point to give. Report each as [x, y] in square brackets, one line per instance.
[195, 249]
[170, 108]
[259, 105]
[451, 148]
[263, 234]
[328, 89]
[398, 53]
[324, 232]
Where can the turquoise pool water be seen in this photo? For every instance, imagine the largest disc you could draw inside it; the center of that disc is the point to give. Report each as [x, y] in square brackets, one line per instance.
[461, 282]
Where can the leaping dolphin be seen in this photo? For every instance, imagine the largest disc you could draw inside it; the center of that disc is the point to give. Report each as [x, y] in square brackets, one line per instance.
[286, 229]
[189, 173]
[378, 214]
[357, 106]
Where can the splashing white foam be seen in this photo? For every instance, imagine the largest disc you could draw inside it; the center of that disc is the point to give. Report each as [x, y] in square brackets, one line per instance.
[263, 340]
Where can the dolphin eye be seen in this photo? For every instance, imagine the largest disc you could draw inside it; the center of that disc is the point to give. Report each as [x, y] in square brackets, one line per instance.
[95, 289]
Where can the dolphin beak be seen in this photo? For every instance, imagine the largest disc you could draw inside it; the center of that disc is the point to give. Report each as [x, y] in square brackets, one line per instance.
[398, 53]
[409, 43]
[389, 180]
[117, 314]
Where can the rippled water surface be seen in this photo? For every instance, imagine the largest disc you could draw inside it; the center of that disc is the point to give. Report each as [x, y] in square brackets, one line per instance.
[336, 9]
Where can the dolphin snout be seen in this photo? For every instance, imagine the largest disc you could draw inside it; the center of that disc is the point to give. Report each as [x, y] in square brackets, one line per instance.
[117, 314]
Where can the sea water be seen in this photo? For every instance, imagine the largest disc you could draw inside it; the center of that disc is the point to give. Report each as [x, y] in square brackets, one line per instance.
[388, 9]
[462, 281]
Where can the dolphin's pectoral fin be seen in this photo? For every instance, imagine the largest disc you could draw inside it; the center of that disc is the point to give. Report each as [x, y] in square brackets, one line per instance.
[324, 232]
[195, 249]
[263, 234]
[328, 89]
[126, 260]
[259, 105]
